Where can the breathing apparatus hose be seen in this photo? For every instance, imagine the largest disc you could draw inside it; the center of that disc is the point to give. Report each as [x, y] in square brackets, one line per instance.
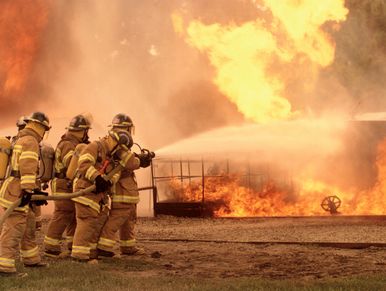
[82, 192]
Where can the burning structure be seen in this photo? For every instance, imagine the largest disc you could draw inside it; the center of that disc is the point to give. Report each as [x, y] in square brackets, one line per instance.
[351, 178]
[211, 188]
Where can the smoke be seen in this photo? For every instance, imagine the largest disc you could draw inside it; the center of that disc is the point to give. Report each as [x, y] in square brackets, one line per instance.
[360, 63]
[128, 58]
[125, 56]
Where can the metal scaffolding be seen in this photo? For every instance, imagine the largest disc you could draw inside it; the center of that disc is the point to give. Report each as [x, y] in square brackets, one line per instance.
[164, 171]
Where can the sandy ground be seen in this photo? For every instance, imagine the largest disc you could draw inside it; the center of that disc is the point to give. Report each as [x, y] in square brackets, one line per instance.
[329, 228]
[235, 257]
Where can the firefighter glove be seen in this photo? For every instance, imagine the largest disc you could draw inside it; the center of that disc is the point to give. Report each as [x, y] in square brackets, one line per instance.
[25, 198]
[101, 184]
[40, 202]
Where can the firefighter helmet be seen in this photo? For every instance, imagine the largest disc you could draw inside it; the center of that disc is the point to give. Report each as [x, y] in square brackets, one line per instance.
[20, 123]
[39, 117]
[123, 121]
[79, 122]
[123, 138]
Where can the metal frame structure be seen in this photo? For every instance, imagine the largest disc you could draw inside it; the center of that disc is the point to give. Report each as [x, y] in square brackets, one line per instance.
[201, 207]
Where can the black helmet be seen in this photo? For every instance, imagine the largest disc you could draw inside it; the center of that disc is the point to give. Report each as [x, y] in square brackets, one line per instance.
[39, 117]
[123, 138]
[20, 123]
[122, 120]
[79, 122]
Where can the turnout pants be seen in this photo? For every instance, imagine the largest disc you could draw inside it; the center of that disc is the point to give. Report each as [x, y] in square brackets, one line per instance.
[18, 233]
[62, 220]
[101, 221]
[122, 220]
[86, 223]
[38, 215]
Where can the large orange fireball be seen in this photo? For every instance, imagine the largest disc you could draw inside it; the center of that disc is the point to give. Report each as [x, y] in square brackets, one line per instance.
[252, 59]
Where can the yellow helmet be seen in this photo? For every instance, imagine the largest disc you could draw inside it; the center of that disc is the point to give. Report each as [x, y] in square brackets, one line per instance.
[39, 117]
[79, 122]
[123, 121]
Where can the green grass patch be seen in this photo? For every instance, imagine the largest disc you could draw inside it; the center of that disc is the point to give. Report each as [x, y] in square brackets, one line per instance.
[118, 275]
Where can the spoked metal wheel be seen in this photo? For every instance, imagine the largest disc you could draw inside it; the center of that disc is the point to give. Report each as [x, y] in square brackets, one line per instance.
[331, 204]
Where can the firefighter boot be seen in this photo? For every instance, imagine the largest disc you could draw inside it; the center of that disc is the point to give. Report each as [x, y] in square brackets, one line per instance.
[131, 251]
[106, 254]
[52, 254]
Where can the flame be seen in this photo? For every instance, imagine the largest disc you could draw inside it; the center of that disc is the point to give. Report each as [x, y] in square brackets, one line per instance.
[233, 199]
[373, 201]
[252, 59]
[21, 28]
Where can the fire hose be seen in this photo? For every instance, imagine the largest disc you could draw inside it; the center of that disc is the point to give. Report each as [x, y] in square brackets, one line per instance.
[58, 197]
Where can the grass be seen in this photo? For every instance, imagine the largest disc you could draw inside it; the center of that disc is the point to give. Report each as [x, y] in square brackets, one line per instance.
[129, 275]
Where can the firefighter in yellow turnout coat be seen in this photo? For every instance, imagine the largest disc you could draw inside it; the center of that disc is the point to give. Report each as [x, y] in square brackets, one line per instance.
[125, 197]
[20, 124]
[18, 232]
[64, 214]
[95, 160]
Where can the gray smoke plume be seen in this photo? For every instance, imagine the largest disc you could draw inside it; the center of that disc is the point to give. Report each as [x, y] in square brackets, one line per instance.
[107, 57]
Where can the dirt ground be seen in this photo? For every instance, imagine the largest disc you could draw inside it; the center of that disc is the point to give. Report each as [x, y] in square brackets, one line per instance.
[228, 249]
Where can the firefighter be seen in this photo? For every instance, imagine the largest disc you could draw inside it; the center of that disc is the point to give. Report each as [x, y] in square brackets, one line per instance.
[64, 214]
[20, 124]
[95, 161]
[18, 233]
[125, 197]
